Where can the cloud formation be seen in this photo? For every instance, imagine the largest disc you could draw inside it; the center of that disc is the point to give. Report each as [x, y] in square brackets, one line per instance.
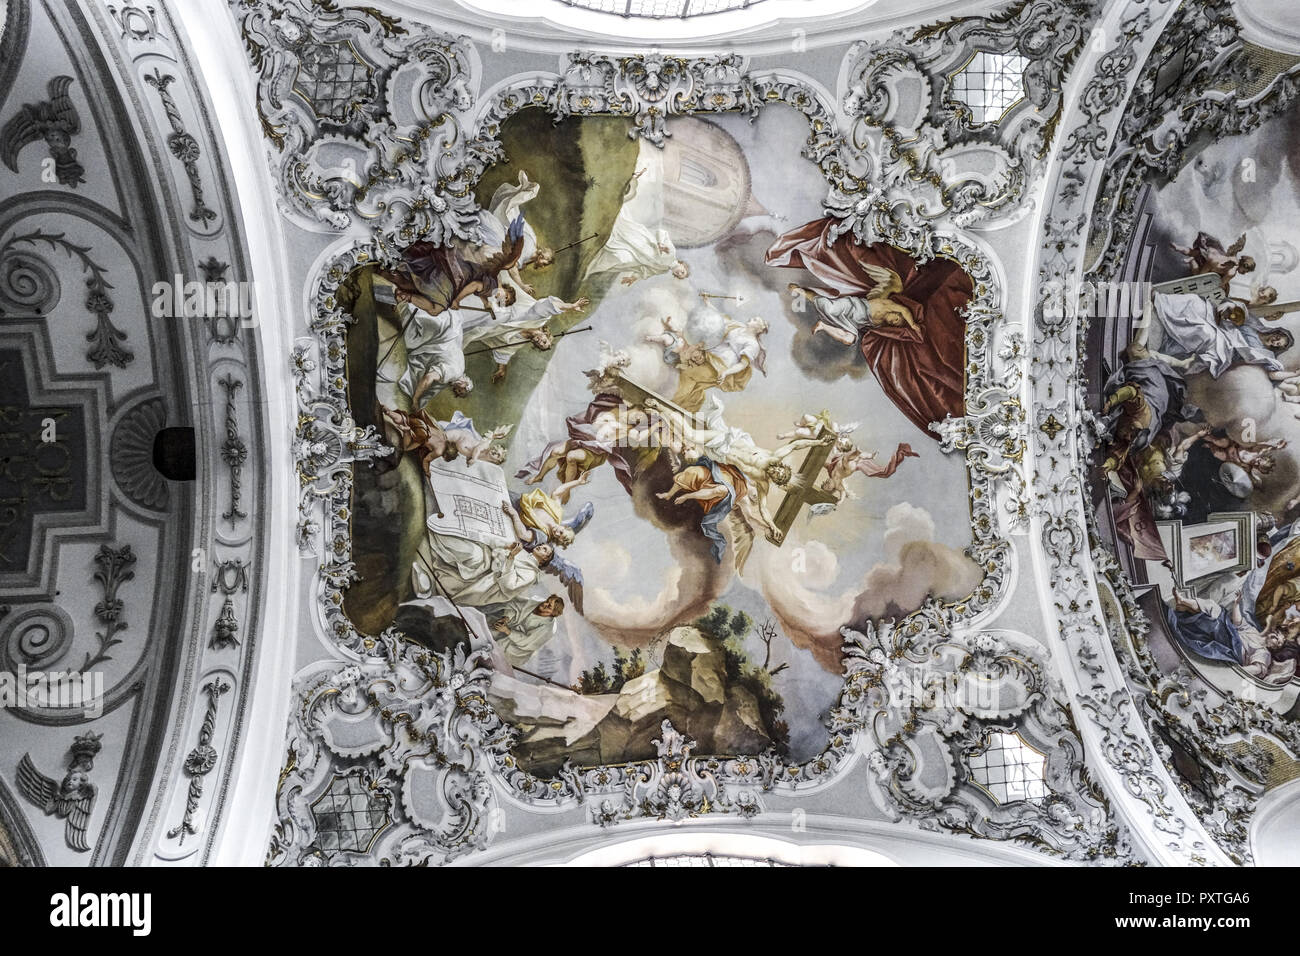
[817, 356]
[799, 583]
[686, 588]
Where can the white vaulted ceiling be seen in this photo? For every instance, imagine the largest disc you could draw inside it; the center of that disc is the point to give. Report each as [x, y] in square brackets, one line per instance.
[659, 21]
[299, 143]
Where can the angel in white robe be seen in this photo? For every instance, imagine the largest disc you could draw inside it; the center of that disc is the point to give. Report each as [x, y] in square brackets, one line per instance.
[435, 357]
[517, 320]
[638, 246]
[635, 252]
[742, 348]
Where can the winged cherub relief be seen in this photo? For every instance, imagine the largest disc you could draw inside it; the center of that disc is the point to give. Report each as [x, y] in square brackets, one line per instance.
[71, 799]
[54, 121]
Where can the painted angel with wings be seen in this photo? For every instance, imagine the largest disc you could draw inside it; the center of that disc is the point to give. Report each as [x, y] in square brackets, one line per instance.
[570, 575]
[906, 317]
[541, 528]
[847, 459]
[809, 425]
[846, 318]
[538, 516]
[1207, 255]
[609, 366]
[550, 561]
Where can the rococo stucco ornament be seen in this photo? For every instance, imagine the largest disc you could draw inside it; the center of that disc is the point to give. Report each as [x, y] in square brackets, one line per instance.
[365, 117]
[412, 728]
[1111, 720]
[930, 159]
[1224, 87]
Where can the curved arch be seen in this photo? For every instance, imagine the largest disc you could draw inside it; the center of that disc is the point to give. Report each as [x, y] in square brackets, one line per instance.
[741, 848]
[1139, 784]
[769, 27]
[18, 845]
[811, 840]
[1275, 828]
[244, 816]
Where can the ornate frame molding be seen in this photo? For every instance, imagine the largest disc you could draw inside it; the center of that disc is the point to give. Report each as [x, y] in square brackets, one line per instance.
[1230, 93]
[428, 713]
[1093, 666]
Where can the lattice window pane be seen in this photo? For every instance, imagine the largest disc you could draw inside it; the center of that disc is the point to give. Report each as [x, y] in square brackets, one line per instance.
[661, 9]
[331, 78]
[347, 815]
[989, 85]
[1009, 769]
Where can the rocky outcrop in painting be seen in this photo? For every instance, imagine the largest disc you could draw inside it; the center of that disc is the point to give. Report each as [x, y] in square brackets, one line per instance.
[705, 686]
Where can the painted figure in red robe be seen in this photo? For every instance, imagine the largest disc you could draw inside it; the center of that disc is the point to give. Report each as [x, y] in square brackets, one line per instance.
[906, 318]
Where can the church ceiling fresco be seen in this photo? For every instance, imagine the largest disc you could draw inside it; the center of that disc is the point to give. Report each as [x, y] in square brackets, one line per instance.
[663, 504]
[654, 440]
[1192, 371]
[886, 431]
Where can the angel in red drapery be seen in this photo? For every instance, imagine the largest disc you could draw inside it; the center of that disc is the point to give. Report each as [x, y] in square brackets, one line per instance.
[905, 317]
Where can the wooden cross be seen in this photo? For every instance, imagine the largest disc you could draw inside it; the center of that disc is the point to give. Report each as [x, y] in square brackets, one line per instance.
[803, 488]
[634, 393]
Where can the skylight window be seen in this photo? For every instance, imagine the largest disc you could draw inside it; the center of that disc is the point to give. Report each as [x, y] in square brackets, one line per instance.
[989, 85]
[1008, 769]
[687, 860]
[661, 9]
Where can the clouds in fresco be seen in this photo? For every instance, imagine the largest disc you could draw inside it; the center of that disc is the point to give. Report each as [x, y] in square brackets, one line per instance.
[802, 583]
